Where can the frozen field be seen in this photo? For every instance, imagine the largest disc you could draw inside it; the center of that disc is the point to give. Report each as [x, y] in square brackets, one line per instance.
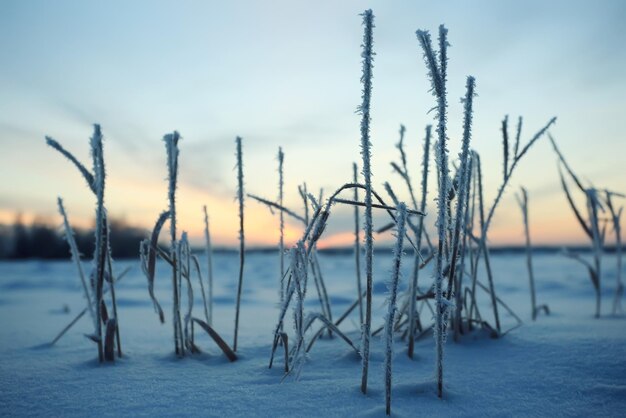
[566, 364]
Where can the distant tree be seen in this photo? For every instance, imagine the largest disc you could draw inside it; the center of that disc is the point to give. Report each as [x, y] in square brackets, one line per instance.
[42, 239]
[21, 239]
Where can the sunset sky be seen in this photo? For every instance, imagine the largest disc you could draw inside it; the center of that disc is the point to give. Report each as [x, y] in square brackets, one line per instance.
[286, 73]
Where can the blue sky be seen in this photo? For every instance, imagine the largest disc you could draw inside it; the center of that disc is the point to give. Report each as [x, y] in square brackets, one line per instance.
[286, 73]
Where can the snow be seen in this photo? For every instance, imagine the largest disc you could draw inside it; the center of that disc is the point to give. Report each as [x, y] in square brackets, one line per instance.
[564, 364]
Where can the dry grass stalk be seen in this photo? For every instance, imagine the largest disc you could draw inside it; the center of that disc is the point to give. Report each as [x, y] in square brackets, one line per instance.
[437, 69]
[281, 242]
[171, 147]
[392, 286]
[242, 242]
[102, 254]
[590, 227]
[217, 339]
[366, 79]
[617, 228]
[69, 236]
[413, 289]
[357, 244]
[522, 200]
[209, 256]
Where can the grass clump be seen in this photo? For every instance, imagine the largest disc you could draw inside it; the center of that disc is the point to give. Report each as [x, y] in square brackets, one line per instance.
[102, 262]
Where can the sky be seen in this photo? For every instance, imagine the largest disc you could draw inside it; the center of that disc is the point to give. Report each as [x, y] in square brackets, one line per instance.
[286, 73]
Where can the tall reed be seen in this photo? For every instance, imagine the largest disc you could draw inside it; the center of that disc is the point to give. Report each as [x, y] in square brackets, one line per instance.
[468, 217]
[209, 256]
[69, 236]
[357, 244]
[102, 255]
[593, 208]
[392, 287]
[100, 250]
[522, 200]
[281, 242]
[458, 227]
[420, 227]
[171, 147]
[485, 220]
[617, 228]
[242, 244]
[590, 227]
[437, 71]
[364, 109]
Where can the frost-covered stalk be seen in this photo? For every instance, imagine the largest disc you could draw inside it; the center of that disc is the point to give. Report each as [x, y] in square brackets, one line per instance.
[486, 221]
[364, 109]
[242, 245]
[403, 171]
[514, 163]
[437, 71]
[420, 228]
[522, 199]
[299, 270]
[102, 254]
[109, 259]
[517, 136]
[505, 145]
[478, 195]
[357, 243]
[392, 286]
[457, 246]
[97, 154]
[463, 181]
[100, 251]
[69, 236]
[592, 229]
[463, 242]
[593, 205]
[209, 256]
[281, 243]
[317, 275]
[617, 228]
[171, 146]
[184, 265]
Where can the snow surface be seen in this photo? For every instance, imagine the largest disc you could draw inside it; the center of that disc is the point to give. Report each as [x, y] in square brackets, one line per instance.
[565, 364]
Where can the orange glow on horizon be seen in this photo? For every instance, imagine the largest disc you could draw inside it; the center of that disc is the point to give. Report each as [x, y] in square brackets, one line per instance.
[341, 239]
[139, 202]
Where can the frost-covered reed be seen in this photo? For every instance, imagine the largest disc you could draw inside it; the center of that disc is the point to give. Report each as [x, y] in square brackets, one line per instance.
[367, 65]
[183, 264]
[459, 221]
[392, 286]
[209, 257]
[437, 72]
[357, 243]
[463, 175]
[591, 226]
[522, 200]
[100, 249]
[242, 241]
[171, 147]
[299, 268]
[597, 240]
[102, 264]
[486, 217]
[281, 242]
[413, 315]
[616, 215]
[69, 237]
